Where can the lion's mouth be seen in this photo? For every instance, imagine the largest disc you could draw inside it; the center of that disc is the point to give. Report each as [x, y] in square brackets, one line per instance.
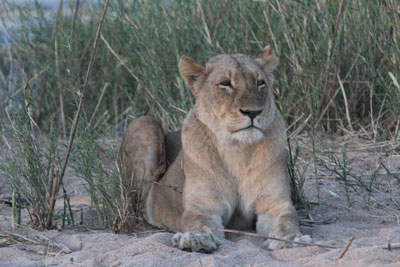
[250, 127]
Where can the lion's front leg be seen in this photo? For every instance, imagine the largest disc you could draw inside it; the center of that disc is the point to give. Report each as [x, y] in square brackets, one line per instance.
[197, 234]
[209, 199]
[280, 221]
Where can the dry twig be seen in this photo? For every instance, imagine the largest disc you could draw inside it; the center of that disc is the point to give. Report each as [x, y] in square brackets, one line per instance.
[67, 70]
[389, 246]
[272, 238]
[53, 35]
[119, 59]
[346, 248]
[345, 103]
[43, 242]
[59, 178]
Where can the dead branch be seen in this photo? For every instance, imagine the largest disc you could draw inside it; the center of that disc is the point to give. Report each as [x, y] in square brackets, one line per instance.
[272, 238]
[389, 246]
[77, 116]
[346, 248]
[44, 242]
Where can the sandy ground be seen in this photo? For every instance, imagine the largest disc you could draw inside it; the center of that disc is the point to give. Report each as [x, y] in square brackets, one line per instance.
[337, 213]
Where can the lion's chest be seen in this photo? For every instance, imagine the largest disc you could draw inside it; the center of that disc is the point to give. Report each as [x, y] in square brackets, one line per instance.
[247, 193]
[248, 171]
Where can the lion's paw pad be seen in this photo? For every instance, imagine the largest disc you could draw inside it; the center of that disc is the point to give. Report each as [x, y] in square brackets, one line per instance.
[195, 242]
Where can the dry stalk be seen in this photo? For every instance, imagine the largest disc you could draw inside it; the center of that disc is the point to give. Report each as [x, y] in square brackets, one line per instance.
[74, 18]
[346, 248]
[30, 240]
[345, 103]
[43, 241]
[59, 179]
[338, 20]
[273, 238]
[119, 59]
[99, 102]
[331, 52]
[388, 171]
[396, 16]
[389, 246]
[53, 35]
[337, 90]
[68, 66]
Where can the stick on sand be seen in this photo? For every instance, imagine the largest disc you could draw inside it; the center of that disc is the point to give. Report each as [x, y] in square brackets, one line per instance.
[346, 248]
[272, 238]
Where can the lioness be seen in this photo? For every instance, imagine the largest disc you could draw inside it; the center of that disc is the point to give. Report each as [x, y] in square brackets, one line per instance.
[227, 167]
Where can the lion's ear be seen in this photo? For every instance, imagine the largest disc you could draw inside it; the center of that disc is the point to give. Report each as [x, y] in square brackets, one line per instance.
[267, 60]
[190, 71]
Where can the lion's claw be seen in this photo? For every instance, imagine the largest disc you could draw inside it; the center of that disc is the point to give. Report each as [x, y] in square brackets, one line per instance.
[196, 242]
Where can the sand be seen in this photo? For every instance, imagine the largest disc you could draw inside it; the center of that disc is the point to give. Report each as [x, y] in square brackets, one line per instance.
[371, 217]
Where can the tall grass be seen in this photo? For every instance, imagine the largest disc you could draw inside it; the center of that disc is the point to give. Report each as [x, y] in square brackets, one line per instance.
[333, 74]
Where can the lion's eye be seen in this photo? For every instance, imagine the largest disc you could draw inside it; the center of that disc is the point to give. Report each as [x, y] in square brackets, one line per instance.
[260, 83]
[225, 84]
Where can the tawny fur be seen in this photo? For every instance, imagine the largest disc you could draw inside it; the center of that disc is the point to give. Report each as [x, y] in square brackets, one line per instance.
[220, 173]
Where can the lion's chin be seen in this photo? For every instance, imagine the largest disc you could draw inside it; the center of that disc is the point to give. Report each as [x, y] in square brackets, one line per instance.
[248, 136]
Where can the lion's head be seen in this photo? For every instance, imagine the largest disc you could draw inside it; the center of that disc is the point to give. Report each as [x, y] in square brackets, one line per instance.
[233, 93]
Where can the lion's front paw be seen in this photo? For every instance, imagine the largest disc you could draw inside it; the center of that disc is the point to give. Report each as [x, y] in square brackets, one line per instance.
[196, 242]
[274, 244]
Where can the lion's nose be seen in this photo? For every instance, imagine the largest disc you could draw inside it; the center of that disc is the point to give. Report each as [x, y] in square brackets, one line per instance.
[251, 113]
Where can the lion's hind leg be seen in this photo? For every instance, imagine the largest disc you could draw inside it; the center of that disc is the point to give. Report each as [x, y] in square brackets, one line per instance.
[142, 153]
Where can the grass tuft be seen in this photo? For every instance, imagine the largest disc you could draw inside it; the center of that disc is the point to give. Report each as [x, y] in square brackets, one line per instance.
[115, 196]
[31, 165]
